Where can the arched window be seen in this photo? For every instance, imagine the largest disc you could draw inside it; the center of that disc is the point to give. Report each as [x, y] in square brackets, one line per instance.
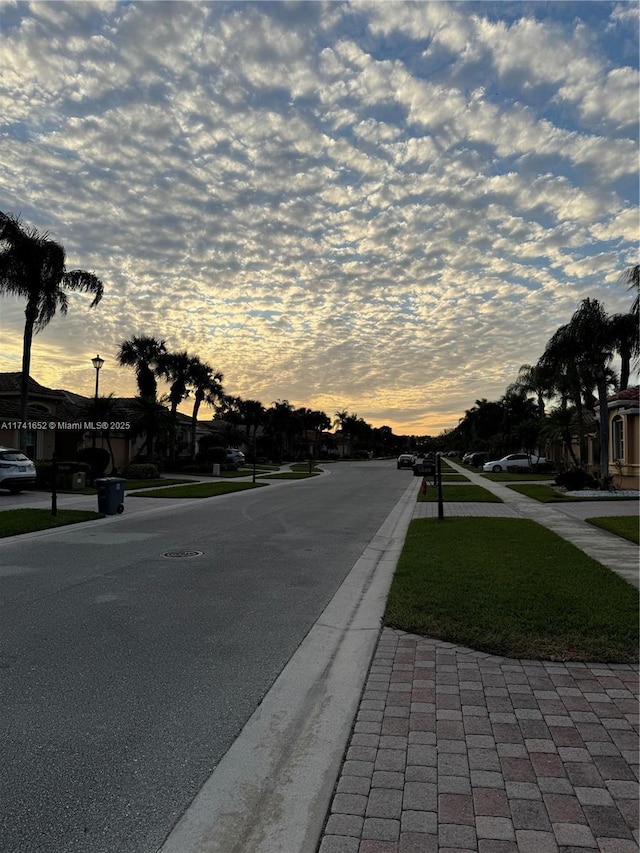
[617, 435]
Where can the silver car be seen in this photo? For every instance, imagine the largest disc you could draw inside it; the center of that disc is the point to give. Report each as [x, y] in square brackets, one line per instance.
[17, 471]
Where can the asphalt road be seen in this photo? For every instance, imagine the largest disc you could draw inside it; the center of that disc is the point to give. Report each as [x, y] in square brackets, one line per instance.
[125, 675]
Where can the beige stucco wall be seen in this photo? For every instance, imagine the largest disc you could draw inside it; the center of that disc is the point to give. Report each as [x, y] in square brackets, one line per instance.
[626, 472]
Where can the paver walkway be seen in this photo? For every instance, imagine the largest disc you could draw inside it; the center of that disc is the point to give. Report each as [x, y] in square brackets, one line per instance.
[455, 750]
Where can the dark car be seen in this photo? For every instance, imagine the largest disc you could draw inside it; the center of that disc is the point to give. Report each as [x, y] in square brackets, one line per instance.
[405, 460]
[479, 459]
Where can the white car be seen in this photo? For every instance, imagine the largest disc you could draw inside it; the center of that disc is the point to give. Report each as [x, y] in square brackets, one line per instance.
[17, 471]
[235, 456]
[513, 460]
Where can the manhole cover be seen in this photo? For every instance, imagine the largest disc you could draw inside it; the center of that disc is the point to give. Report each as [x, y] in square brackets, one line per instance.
[182, 554]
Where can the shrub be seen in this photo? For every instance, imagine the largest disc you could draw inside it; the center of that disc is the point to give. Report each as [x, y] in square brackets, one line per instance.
[216, 455]
[44, 469]
[575, 479]
[141, 471]
[97, 458]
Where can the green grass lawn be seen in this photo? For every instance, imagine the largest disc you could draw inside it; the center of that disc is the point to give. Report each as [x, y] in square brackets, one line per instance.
[289, 475]
[626, 526]
[511, 587]
[456, 492]
[504, 477]
[149, 484]
[548, 495]
[198, 490]
[16, 521]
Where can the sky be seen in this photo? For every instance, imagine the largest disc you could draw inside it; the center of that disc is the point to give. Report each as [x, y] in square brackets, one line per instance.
[383, 207]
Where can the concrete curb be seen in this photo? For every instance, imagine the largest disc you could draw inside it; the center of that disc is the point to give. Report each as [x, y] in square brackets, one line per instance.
[271, 791]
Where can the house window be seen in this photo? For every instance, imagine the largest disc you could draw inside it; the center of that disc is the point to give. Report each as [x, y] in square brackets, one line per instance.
[617, 428]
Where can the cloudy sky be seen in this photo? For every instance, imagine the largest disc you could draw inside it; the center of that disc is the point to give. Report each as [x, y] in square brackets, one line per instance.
[384, 207]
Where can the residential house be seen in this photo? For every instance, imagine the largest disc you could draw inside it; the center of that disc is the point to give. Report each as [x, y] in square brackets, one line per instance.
[72, 415]
[624, 437]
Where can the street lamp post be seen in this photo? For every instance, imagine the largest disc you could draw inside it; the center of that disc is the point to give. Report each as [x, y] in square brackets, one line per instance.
[97, 362]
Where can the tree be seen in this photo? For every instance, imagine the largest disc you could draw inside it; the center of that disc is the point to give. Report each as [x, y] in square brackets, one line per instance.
[587, 342]
[253, 415]
[33, 267]
[144, 354]
[631, 277]
[534, 379]
[340, 418]
[624, 332]
[176, 368]
[151, 419]
[207, 388]
[280, 420]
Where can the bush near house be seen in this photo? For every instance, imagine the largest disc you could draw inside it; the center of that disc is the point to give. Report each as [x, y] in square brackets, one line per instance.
[141, 471]
[97, 457]
[575, 479]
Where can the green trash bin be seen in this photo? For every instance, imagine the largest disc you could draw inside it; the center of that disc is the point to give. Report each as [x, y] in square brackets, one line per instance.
[110, 495]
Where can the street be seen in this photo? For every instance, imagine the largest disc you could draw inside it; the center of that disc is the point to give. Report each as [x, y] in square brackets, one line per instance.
[125, 674]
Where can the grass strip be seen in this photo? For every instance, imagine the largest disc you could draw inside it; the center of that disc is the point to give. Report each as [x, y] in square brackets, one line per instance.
[150, 484]
[288, 475]
[514, 588]
[505, 477]
[198, 490]
[626, 526]
[456, 492]
[548, 495]
[16, 521]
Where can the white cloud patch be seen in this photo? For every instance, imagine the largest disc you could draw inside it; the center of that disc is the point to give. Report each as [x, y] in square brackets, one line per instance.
[336, 204]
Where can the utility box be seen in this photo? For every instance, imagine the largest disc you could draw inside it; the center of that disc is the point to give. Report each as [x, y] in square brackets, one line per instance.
[110, 495]
[78, 480]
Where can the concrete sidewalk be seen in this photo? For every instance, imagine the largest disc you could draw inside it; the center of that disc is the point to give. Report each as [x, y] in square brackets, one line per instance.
[453, 750]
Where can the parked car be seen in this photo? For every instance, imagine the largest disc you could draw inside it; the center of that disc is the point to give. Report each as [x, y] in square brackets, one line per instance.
[235, 457]
[478, 459]
[17, 471]
[513, 460]
[406, 460]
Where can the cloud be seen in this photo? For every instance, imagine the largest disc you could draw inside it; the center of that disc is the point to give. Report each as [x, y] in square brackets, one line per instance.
[337, 204]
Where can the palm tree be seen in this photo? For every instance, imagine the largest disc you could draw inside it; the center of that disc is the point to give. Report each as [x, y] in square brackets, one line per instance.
[587, 343]
[175, 367]
[560, 425]
[207, 388]
[631, 277]
[340, 418]
[32, 266]
[624, 330]
[151, 419]
[534, 379]
[253, 415]
[144, 354]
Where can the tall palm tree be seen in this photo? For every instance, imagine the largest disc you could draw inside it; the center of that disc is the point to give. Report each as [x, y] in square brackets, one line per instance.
[253, 414]
[624, 331]
[340, 418]
[631, 277]
[176, 367]
[144, 355]
[587, 342]
[207, 388]
[534, 379]
[32, 266]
